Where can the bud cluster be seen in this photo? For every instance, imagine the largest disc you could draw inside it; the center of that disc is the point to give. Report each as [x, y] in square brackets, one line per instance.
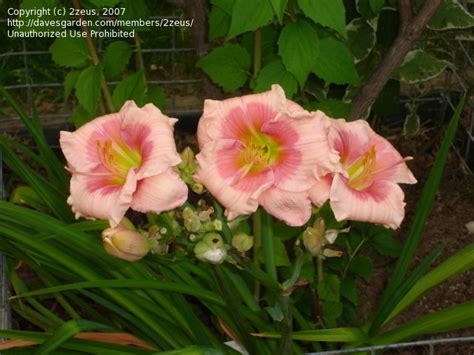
[317, 237]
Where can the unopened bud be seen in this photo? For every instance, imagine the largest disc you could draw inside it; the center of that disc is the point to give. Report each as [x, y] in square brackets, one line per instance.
[242, 242]
[125, 222]
[187, 160]
[188, 213]
[124, 243]
[192, 224]
[213, 226]
[331, 234]
[197, 188]
[211, 249]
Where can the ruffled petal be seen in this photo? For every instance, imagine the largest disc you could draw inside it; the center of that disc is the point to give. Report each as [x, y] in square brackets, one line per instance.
[294, 208]
[389, 162]
[151, 132]
[80, 147]
[319, 192]
[350, 139]
[381, 203]
[306, 151]
[159, 193]
[233, 118]
[235, 189]
[94, 197]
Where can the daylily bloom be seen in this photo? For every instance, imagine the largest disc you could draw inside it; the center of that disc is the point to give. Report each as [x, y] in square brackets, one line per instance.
[365, 187]
[123, 160]
[262, 150]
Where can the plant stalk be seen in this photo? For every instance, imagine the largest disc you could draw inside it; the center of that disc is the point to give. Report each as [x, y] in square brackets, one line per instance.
[257, 230]
[286, 326]
[257, 52]
[95, 59]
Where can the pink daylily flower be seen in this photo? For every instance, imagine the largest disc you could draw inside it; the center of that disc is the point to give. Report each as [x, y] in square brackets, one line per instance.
[365, 187]
[261, 150]
[123, 160]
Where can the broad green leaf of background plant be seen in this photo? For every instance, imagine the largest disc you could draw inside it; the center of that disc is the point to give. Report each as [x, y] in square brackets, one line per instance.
[48, 24]
[419, 66]
[116, 57]
[329, 289]
[451, 15]
[227, 66]
[88, 88]
[219, 23]
[279, 7]
[136, 9]
[332, 107]
[69, 52]
[156, 96]
[225, 5]
[70, 82]
[360, 38]
[298, 47]
[276, 73]
[80, 116]
[131, 88]
[411, 125]
[335, 63]
[330, 13]
[369, 8]
[388, 101]
[249, 15]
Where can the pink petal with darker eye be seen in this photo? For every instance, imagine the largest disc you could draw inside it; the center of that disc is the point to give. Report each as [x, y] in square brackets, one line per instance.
[93, 197]
[381, 203]
[235, 189]
[294, 208]
[229, 119]
[80, 147]
[162, 192]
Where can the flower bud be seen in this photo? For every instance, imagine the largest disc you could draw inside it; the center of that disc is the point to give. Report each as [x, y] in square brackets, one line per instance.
[124, 243]
[211, 249]
[197, 188]
[187, 160]
[192, 224]
[125, 222]
[330, 253]
[313, 237]
[242, 242]
[213, 226]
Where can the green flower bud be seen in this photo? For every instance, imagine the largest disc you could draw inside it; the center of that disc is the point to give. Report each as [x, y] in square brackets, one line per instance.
[124, 243]
[187, 160]
[197, 188]
[193, 224]
[211, 249]
[188, 213]
[242, 242]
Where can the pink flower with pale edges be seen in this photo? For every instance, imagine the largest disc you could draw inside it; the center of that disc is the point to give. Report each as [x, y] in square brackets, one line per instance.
[123, 160]
[261, 150]
[365, 186]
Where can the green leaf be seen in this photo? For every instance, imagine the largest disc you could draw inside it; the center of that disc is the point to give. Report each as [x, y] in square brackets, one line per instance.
[116, 57]
[131, 88]
[225, 5]
[360, 38]
[25, 195]
[156, 95]
[69, 52]
[67, 331]
[342, 335]
[330, 13]
[70, 82]
[219, 23]
[456, 317]
[454, 265]
[135, 10]
[88, 88]
[105, 3]
[369, 8]
[362, 266]
[412, 124]
[249, 15]
[227, 66]
[329, 289]
[279, 7]
[451, 15]
[349, 290]
[281, 256]
[334, 63]
[419, 66]
[424, 206]
[385, 244]
[331, 311]
[80, 116]
[333, 108]
[276, 73]
[298, 47]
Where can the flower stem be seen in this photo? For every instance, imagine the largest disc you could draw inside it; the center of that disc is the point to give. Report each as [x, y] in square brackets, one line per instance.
[257, 227]
[320, 269]
[286, 326]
